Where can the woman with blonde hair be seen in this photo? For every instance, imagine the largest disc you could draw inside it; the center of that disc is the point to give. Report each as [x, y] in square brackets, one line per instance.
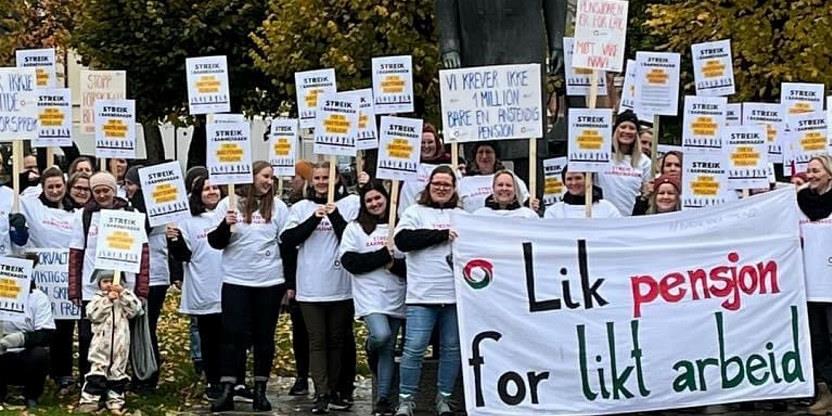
[630, 168]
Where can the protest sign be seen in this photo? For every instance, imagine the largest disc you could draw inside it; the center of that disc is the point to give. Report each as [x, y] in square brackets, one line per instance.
[664, 149]
[367, 136]
[227, 118]
[579, 80]
[337, 125]
[553, 186]
[628, 91]
[552, 322]
[51, 275]
[15, 281]
[491, 103]
[704, 121]
[165, 195]
[733, 114]
[808, 137]
[590, 139]
[18, 104]
[54, 118]
[229, 152]
[713, 69]
[817, 259]
[393, 84]
[400, 148]
[600, 32]
[115, 129]
[310, 85]
[120, 238]
[771, 116]
[657, 83]
[208, 88]
[43, 61]
[798, 97]
[99, 85]
[283, 143]
[746, 157]
[704, 180]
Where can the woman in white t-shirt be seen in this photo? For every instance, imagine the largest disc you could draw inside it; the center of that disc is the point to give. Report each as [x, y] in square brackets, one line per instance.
[503, 199]
[378, 285]
[424, 234]
[202, 283]
[573, 204]
[476, 185]
[629, 169]
[253, 283]
[324, 292]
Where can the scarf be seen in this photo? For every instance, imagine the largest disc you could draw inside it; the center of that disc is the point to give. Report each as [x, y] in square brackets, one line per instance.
[570, 199]
[815, 206]
[491, 203]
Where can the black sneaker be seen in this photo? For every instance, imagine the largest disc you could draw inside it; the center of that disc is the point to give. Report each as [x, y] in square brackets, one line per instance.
[213, 392]
[321, 405]
[300, 388]
[339, 402]
[383, 407]
[243, 394]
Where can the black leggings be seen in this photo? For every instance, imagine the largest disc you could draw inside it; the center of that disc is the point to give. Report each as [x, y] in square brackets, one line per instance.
[249, 313]
[155, 302]
[60, 349]
[330, 333]
[210, 336]
[820, 326]
[300, 340]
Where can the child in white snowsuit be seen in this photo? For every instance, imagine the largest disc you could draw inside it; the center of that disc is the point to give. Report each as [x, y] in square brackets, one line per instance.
[109, 312]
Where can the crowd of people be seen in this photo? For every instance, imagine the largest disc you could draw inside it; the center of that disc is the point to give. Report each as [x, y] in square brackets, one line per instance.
[239, 259]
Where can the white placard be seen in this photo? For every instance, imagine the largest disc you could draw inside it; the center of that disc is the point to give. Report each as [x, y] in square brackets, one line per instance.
[491, 103]
[229, 152]
[600, 32]
[165, 195]
[808, 137]
[733, 114]
[18, 104]
[336, 125]
[393, 84]
[120, 238]
[99, 85]
[399, 149]
[628, 91]
[310, 85]
[771, 116]
[553, 186]
[15, 282]
[579, 80]
[817, 252]
[51, 276]
[208, 88]
[704, 180]
[43, 61]
[713, 69]
[657, 83]
[590, 139]
[746, 154]
[283, 146]
[54, 118]
[703, 123]
[367, 131]
[115, 129]
[800, 97]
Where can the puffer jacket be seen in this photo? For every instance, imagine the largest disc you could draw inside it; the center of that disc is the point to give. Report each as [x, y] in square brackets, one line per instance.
[110, 347]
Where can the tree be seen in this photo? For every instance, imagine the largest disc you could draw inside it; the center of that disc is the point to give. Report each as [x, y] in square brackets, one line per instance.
[33, 24]
[346, 34]
[772, 40]
[151, 39]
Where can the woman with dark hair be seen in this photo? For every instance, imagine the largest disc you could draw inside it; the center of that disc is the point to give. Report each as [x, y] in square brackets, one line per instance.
[503, 199]
[78, 189]
[424, 234]
[573, 204]
[324, 292]
[81, 164]
[629, 169]
[253, 273]
[476, 185]
[202, 285]
[378, 286]
[433, 154]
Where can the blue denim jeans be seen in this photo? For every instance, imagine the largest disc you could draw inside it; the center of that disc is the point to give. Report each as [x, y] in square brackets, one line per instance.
[384, 330]
[420, 322]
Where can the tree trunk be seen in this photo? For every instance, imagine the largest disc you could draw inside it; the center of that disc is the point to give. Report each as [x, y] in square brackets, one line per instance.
[153, 142]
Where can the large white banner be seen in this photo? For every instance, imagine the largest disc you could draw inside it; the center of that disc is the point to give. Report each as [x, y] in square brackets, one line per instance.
[552, 321]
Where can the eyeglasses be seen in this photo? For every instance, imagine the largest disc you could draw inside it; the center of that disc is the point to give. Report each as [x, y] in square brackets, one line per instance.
[80, 189]
[442, 185]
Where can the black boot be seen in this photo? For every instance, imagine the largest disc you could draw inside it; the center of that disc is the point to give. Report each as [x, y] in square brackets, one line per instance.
[225, 402]
[261, 403]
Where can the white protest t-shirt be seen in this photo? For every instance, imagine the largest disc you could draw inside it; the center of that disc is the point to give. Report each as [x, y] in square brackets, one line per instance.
[411, 189]
[379, 291]
[48, 227]
[202, 285]
[159, 266]
[622, 183]
[252, 258]
[6, 200]
[474, 190]
[522, 212]
[600, 209]
[320, 276]
[38, 316]
[77, 242]
[429, 277]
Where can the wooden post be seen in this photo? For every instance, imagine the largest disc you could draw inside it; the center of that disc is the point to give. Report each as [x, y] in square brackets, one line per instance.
[746, 193]
[330, 193]
[655, 152]
[454, 155]
[116, 277]
[359, 163]
[593, 99]
[17, 167]
[394, 205]
[50, 157]
[280, 187]
[102, 164]
[532, 169]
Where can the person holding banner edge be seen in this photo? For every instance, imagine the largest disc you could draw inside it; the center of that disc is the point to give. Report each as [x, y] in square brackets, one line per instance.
[503, 200]
[254, 281]
[424, 233]
[629, 168]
